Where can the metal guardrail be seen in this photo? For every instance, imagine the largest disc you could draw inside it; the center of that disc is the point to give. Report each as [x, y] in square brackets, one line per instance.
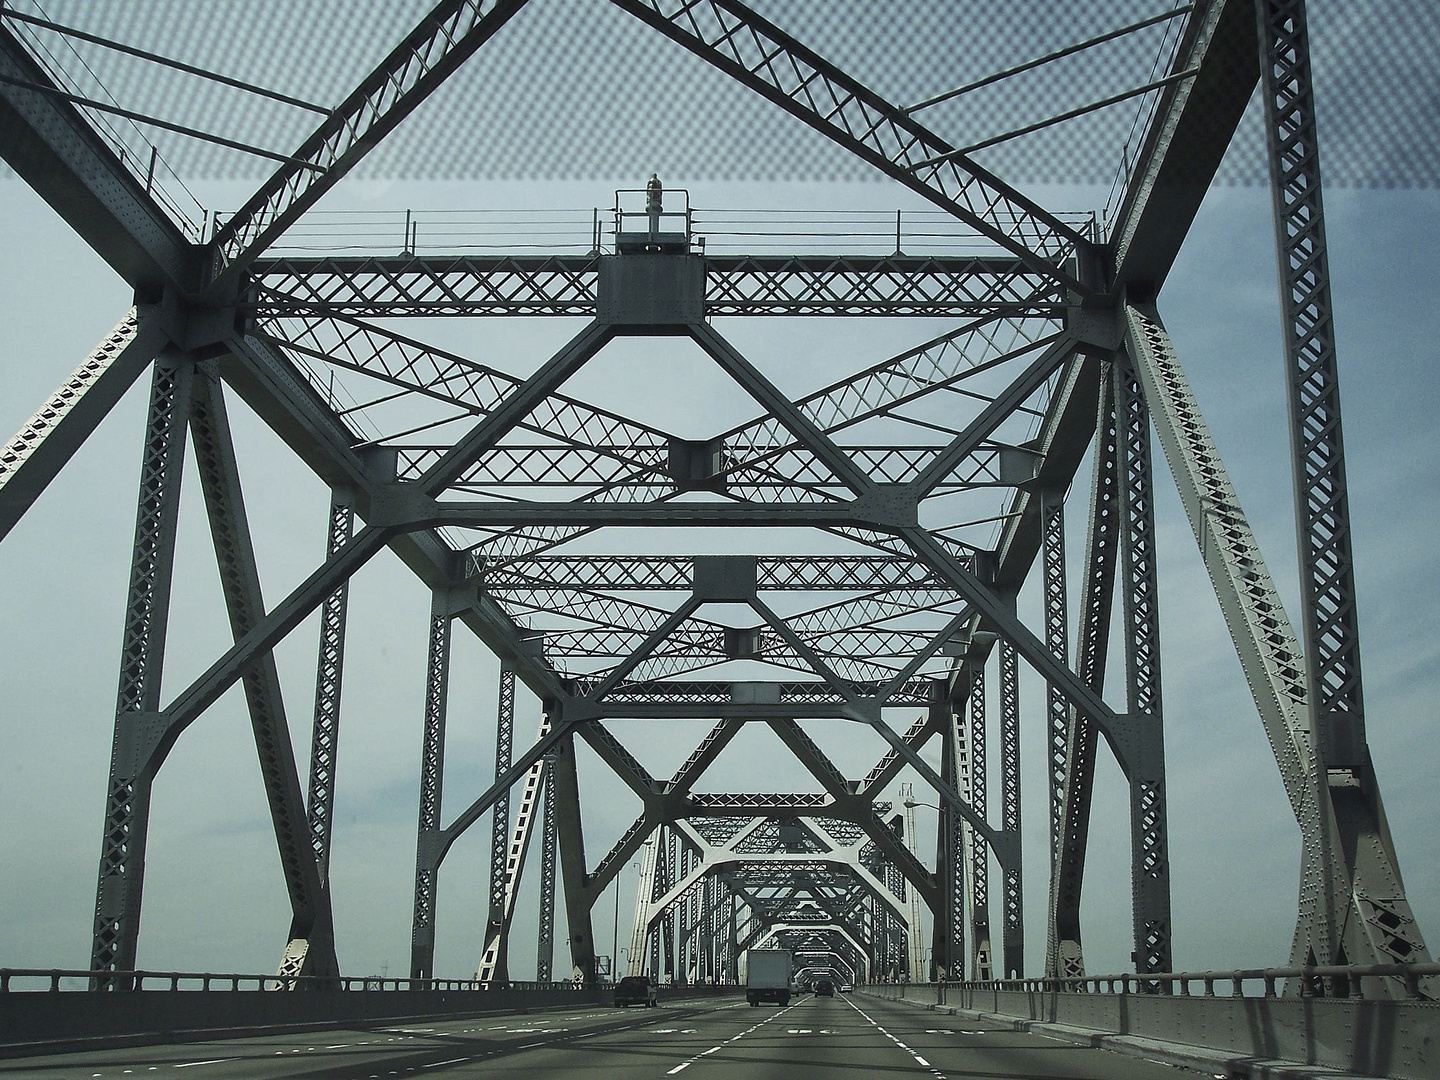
[593, 230]
[229, 981]
[1336, 981]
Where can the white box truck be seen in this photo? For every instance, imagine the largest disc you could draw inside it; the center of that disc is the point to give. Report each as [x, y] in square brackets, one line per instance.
[767, 975]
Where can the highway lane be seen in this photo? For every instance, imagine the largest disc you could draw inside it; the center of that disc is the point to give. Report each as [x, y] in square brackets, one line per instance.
[842, 1038]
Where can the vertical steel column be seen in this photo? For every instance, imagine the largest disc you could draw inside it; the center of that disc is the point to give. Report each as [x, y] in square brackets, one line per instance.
[1013, 899]
[981, 966]
[500, 824]
[672, 964]
[1149, 833]
[119, 891]
[1057, 706]
[875, 939]
[432, 770]
[732, 942]
[896, 960]
[663, 882]
[1064, 956]
[707, 930]
[329, 668]
[947, 939]
[1322, 500]
[545, 948]
[1374, 924]
[687, 921]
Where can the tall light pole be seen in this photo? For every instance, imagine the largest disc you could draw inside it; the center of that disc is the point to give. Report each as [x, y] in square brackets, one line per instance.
[615, 931]
[615, 935]
[916, 963]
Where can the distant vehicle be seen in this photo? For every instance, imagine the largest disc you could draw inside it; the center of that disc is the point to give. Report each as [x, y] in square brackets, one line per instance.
[767, 975]
[635, 990]
[824, 988]
[846, 988]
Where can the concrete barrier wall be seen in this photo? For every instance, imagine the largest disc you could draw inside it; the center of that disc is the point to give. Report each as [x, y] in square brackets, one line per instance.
[38, 1022]
[1366, 1037]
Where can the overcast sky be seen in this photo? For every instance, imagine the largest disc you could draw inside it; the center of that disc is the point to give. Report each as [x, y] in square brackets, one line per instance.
[214, 896]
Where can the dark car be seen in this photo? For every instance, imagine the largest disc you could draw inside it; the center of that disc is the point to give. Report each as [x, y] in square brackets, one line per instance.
[824, 988]
[635, 990]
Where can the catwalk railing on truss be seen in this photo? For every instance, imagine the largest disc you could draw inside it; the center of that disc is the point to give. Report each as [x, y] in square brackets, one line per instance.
[714, 231]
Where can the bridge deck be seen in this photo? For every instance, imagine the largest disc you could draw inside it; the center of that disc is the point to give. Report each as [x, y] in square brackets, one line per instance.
[816, 1038]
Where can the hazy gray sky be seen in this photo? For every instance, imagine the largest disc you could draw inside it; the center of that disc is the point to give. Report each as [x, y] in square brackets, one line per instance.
[214, 896]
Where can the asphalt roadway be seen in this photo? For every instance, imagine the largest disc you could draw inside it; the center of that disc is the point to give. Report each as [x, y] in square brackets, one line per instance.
[841, 1038]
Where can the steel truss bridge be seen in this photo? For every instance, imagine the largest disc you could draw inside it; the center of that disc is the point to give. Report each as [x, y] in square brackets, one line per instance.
[917, 494]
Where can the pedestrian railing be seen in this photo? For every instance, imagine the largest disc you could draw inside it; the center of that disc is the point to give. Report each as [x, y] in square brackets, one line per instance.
[1343, 981]
[55, 980]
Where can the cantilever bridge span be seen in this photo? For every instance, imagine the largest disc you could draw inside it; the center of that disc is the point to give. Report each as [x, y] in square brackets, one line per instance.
[777, 600]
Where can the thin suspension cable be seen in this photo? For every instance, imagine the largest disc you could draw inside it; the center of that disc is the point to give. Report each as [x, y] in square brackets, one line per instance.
[164, 61]
[141, 118]
[1103, 103]
[467, 415]
[1059, 54]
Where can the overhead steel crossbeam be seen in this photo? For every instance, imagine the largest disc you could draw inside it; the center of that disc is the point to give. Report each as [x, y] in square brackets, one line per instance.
[656, 573]
[603, 471]
[751, 450]
[407, 286]
[704, 699]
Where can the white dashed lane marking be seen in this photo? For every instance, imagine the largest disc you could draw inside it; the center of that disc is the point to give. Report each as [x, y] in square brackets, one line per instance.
[733, 1038]
[918, 1059]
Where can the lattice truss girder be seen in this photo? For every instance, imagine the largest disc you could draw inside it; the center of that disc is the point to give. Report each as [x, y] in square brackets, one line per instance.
[897, 413]
[764, 458]
[415, 286]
